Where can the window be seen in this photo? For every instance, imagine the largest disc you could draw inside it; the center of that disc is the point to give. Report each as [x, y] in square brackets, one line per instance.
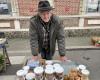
[5, 7]
[93, 6]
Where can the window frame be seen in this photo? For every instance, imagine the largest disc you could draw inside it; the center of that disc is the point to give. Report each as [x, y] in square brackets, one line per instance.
[8, 2]
[95, 12]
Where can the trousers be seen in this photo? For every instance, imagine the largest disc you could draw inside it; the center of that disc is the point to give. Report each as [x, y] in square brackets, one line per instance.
[45, 54]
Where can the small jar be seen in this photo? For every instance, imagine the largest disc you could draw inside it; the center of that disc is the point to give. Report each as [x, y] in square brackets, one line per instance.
[49, 66]
[56, 65]
[85, 74]
[49, 62]
[26, 68]
[30, 76]
[59, 73]
[20, 75]
[81, 67]
[38, 73]
[49, 74]
[42, 62]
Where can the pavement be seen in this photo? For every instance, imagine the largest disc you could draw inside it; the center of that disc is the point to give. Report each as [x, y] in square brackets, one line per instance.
[78, 49]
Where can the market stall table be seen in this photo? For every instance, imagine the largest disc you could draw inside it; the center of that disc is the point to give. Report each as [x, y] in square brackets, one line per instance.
[67, 66]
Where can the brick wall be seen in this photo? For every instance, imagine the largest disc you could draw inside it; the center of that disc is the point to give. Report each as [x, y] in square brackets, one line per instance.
[62, 7]
[27, 7]
[67, 7]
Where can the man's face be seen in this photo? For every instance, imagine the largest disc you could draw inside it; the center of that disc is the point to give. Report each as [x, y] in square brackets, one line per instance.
[45, 15]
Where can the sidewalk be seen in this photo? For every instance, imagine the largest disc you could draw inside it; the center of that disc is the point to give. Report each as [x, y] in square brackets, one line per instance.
[18, 46]
[78, 50]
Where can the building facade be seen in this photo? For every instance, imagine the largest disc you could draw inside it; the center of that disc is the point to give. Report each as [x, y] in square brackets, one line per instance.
[78, 16]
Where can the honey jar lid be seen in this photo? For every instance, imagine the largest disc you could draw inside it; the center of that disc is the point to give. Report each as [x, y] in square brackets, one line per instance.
[38, 70]
[82, 67]
[21, 72]
[49, 71]
[26, 67]
[85, 72]
[49, 66]
[59, 70]
[30, 76]
[49, 62]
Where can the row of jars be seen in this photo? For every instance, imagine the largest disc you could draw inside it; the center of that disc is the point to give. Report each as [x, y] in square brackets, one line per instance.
[50, 72]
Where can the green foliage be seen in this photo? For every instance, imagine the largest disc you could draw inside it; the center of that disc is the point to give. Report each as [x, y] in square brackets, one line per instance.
[1, 59]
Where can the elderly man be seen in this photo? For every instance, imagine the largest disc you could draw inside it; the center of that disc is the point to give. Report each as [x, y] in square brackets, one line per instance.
[45, 29]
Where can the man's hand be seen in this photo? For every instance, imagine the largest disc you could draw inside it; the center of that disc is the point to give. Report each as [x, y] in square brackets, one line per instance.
[63, 58]
[35, 58]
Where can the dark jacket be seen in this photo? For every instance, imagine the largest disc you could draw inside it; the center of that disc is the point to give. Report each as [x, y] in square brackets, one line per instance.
[56, 34]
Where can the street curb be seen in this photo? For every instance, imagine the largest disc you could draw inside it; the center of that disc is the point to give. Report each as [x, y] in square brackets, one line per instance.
[82, 48]
[67, 49]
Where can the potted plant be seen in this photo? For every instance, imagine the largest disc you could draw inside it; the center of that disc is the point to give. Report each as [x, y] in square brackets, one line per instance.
[1, 62]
